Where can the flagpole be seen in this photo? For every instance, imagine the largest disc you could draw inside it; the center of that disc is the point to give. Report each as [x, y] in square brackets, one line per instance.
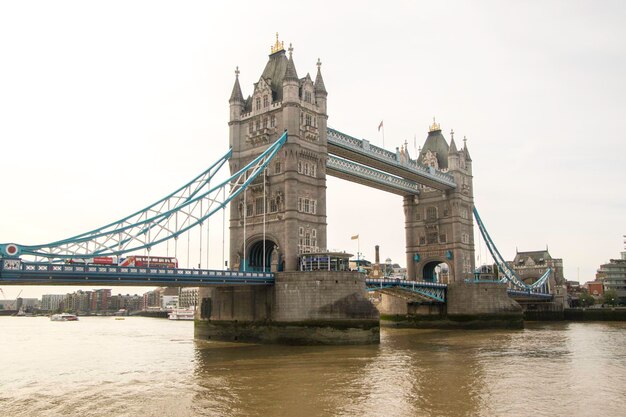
[383, 136]
[358, 250]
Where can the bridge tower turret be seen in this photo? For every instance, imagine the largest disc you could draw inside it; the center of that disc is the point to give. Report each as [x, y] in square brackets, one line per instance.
[439, 224]
[283, 214]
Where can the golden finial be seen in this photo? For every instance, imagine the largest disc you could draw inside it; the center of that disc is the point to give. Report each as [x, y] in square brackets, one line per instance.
[278, 46]
[434, 127]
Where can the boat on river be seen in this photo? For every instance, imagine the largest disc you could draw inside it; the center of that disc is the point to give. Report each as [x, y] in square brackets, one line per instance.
[64, 317]
[181, 314]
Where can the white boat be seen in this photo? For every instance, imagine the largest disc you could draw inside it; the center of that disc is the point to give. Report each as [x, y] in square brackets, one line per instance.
[181, 314]
[64, 317]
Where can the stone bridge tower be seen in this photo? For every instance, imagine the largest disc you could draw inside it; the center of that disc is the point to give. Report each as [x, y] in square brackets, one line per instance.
[439, 224]
[292, 202]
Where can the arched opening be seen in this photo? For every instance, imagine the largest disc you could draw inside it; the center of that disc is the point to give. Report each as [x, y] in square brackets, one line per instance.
[256, 256]
[435, 271]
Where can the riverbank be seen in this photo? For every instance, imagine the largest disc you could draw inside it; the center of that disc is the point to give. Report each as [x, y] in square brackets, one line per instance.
[578, 314]
[153, 314]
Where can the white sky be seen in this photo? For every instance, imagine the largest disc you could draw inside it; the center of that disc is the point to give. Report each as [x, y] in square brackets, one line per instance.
[106, 107]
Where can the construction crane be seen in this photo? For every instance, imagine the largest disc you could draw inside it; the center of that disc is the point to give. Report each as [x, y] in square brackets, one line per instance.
[10, 306]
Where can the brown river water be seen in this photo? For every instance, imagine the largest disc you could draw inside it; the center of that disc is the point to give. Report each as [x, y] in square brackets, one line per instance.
[99, 366]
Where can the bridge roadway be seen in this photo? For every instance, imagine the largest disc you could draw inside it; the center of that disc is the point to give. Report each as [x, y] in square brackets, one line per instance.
[14, 271]
[17, 272]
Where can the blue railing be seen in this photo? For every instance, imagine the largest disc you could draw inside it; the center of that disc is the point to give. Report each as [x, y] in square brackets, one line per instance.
[14, 271]
[431, 290]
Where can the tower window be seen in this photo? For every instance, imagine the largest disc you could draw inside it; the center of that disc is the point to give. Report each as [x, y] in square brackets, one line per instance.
[431, 213]
[307, 96]
[273, 121]
[266, 101]
[260, 209]
[258, 103]
[277, 168]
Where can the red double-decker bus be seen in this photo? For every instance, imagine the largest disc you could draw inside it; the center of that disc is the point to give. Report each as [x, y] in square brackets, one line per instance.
[150, 261]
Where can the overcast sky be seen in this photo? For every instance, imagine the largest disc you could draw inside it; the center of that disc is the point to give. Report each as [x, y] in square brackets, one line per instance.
[106, 107]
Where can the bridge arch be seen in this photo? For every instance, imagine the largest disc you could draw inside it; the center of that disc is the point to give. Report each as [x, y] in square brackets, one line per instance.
[436, 270]
[263, 252]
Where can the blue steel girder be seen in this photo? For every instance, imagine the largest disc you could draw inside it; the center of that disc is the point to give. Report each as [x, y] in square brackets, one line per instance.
[182, 210]
[432, 290]
[361, 151]
[13, 271]
[351, 171]
[508, 273]
[532, 295]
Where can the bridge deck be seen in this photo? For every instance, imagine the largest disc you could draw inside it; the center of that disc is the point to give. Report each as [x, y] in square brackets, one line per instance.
[16, 272]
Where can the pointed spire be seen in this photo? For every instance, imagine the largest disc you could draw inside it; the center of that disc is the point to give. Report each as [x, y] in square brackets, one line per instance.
[236, 95]
[320, 88]
[467, 155]
[452, 148]
[290, 72]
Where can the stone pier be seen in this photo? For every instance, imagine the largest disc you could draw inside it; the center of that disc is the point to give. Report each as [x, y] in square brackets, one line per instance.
[300, 308]
[469, 306]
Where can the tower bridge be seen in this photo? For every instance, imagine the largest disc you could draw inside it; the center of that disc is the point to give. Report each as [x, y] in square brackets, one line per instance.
[281, 150]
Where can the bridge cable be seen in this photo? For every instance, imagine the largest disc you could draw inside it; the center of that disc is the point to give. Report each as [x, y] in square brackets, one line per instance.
[245, 216]
[224, 227]
[264, 211]
[200, 235]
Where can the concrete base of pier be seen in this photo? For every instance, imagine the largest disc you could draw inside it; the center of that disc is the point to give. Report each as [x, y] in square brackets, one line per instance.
[300, 308]
[469, 306]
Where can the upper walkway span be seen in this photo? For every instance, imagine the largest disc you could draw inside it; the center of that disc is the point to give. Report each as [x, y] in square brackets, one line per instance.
[362, 152]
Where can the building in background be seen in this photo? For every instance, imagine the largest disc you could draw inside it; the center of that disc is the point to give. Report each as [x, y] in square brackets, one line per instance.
[52, 302]
[99, 300]
[188, 297]
[613, 276]
[531, 265]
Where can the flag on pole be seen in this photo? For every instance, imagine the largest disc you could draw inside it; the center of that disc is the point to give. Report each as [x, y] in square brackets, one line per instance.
[354, 237]
[380, 126]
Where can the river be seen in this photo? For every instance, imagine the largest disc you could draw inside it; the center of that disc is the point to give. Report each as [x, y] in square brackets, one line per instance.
[99, 366]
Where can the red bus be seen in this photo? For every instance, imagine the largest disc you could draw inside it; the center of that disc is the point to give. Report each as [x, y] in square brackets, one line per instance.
[98, 260]
[152, 261]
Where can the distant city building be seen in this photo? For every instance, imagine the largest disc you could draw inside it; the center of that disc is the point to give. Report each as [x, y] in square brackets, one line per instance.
[169, 302]
[613, 276]
[187, 297]
[595, 288]
[127, 302]
[100, 300]
[530, 266]
[52, 302]
[152, 300]
[487, 273]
